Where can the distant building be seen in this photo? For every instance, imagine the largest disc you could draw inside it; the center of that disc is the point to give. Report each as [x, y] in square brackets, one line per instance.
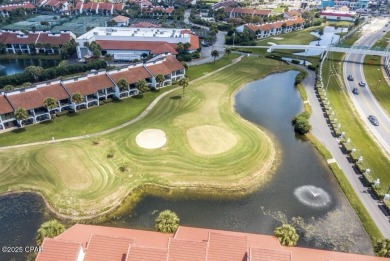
[121, 20]
[145, 25]
[239, 12]
[353, 5]
[128, 43]
[275, 28]
[102, 8]
[224, 3]
[98, 243]
[18, 42]
[336, 15]
[5, 9]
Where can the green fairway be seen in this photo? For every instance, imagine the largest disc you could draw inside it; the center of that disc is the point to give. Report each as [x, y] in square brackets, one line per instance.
[90, 176]
[100, 118]
[296, 37]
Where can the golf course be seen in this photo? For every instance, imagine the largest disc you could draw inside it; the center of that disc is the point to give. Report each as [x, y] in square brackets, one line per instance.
[194, 141]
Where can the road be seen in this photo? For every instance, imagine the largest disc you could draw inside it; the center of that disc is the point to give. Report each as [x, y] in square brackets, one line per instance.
[205, 55]
[321, 130]
[365, 102]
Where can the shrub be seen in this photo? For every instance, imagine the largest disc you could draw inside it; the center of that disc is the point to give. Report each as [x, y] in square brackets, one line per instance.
[61, 113]
[301, 123]
[295, 61]
[311, 67]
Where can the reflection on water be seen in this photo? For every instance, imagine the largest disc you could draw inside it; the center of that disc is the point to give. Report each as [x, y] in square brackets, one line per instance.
[13, 66]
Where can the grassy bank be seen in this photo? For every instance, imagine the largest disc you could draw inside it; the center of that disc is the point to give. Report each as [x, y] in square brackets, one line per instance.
[346, 187]
[99, 118]
[209, 148]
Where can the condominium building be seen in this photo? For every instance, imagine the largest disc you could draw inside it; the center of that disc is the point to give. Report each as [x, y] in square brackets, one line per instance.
[130, 43]
[95, 87]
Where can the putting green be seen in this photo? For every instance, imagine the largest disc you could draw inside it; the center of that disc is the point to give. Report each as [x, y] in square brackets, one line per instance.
[209, 148]
[210, 140]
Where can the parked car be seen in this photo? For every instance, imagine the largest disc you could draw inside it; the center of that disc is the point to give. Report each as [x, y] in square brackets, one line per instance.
[355, 91]
[362, 84]
[350, 78]
[374, 121]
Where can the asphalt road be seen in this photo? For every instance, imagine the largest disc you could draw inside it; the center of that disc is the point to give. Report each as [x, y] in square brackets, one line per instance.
[321, 130]
[365, 102]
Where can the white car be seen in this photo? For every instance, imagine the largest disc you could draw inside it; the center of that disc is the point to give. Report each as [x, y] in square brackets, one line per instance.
[362, 84]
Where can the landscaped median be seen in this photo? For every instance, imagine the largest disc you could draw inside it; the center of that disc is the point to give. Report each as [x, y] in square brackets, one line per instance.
[209, 148]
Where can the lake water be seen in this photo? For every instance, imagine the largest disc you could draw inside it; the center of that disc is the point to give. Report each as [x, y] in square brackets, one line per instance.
[302, 186]
[13, 66]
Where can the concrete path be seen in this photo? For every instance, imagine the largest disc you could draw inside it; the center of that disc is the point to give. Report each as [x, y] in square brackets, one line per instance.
[139, 117]
[322, 132]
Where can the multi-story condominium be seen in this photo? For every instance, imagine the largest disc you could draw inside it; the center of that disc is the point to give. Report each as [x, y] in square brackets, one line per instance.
[339, 15]
[357, 4]
[5, 9]
[130, 43]
[239, 12]
[94, 87]
[18, 42]
[279, 27]
[102, 8]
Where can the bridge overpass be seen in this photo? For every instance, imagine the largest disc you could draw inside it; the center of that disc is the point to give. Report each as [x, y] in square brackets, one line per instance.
[366, 50]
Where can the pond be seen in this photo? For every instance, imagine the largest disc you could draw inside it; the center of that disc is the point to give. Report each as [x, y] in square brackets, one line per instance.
[13, 66]
[301, 187]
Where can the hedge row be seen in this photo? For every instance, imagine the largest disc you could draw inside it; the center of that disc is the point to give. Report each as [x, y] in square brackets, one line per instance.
[51, 73]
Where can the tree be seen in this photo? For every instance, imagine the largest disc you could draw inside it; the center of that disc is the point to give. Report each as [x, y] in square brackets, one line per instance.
[122, 84]
[51, 228]
[160, 79]
[287, 235]
[186, 46]
[215, 54]
[77, 98]
[21, 114]
[34, 71]
[320, 33]
[301, 123]
[50, 103]
[108, 58]
[167, 222]
[228, 52]
[144, 56]
[180, 47]
[8, 87]
[142, 86]
[382, 247]
[184, 82]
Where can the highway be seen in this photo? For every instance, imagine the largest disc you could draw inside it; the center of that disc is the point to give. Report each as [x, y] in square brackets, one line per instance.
[365, 102]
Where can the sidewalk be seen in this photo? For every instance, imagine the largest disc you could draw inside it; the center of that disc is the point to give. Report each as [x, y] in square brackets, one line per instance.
[322, 132]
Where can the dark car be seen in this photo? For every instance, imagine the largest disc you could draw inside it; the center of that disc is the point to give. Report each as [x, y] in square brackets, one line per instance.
[374, 121]
[355, 91]
[350, 78]
[362, 84]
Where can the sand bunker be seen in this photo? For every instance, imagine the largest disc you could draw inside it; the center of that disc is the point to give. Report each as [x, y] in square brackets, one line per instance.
[277, 38]
[210, 140]
[151, 139]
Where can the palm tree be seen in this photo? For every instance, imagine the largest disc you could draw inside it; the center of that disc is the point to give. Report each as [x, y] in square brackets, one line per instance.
[160, 79]
[215, 54]
[228, 52]
[21, 114]
[287, 235]
[50, 103]
[382, 247]
[184, 82]
[179, 47]
[108, 58]
[122, 84]
[144, 56]
[167, 222]
[142, 86]
[77, 98]
[186, 46]
[51, 228]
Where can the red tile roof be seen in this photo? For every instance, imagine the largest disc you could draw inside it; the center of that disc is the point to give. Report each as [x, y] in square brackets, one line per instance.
[15, 38]
[145, 25]
[82, 233]
[5, 106]
[105, 6]
[131, 75]
[90, 85]
[225, 247]
[119, 6]
[165, 67]
[261, 254]
[57, 39]
[120, 19]
[107, 248]
[55, 91]
[196, 244]
[28, 100]
[16, 6]
[137, 253]
[59, 250]
[180, 250]
[194, 41]
[247, 11]
[153, 47]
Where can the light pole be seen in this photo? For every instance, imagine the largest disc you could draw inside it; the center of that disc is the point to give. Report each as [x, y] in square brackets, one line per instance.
[378, 83]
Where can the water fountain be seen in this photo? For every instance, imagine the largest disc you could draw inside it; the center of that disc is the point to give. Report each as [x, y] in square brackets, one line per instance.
[312, 196]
